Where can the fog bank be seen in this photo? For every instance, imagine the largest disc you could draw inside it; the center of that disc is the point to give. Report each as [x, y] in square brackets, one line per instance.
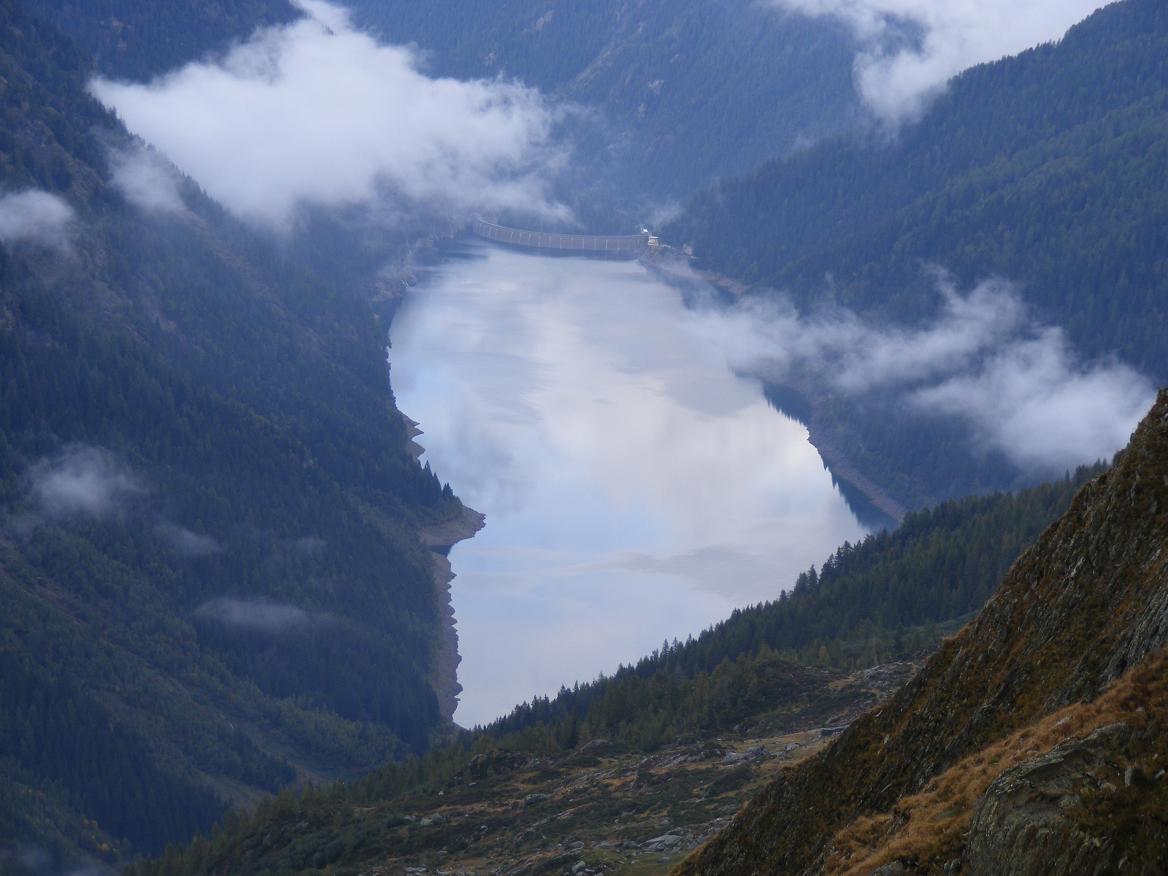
[911, 48]
[316, 113]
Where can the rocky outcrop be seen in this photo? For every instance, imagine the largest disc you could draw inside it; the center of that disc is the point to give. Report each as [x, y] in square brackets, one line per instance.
[440, 538]
[1025, 824]
[1086, 603]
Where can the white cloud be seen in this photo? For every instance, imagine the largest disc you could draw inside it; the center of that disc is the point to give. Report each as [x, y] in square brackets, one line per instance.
[1044, 410]
[897, 73]
[81, 480]
[1020, 385]
[185, 542]
[35, 860]
[335, 18]
[34, 216]
[854, 354]
[147, 180]
[261, 615]
[316, 113]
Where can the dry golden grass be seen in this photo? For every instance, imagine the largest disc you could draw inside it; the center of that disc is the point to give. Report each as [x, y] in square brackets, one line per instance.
[929, 827]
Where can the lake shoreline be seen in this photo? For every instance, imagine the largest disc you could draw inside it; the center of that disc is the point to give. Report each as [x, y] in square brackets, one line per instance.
[677, 272]
[777, 448]
[439, 538]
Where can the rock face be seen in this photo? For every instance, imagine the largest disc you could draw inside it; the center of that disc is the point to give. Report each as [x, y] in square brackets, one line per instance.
[1089, 806]
[440, 538]
[1025, 826]
[1085, 604]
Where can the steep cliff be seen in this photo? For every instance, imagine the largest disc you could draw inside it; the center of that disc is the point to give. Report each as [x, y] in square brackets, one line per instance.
[950, 775]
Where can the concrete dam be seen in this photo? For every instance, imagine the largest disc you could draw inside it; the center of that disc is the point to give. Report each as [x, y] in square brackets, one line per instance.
[619, 246]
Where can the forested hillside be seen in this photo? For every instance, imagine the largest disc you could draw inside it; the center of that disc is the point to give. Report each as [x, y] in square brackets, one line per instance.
[687, 91]
[214, 575]
[1045, 170]
[136, 40]
[211, 578]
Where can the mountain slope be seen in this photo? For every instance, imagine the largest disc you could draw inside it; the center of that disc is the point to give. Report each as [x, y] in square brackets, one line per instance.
[1085, 605]
[736, 685]
[539, 808]
[673, 95]
[689, 90]
[134, 41]
[1044, 170]
[211, 577]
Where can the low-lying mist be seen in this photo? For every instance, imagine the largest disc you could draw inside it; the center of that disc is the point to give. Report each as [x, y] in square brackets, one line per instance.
[318, 114]
[36, 217]
[911, 48]
[981, 357]
[83, 481]
[258, 615]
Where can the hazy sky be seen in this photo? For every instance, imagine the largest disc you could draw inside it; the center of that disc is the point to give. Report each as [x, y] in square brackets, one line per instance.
[897, 80]
[317, 113]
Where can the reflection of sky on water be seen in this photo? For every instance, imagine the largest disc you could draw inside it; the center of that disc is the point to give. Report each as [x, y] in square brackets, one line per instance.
[635, 488]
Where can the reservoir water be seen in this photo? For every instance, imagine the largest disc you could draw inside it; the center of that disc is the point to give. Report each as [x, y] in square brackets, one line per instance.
[636, 487]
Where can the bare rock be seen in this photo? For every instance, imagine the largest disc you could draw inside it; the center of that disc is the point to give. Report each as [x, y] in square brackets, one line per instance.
[1025, 823]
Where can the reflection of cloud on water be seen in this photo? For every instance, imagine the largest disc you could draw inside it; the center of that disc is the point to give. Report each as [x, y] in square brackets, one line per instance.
[562, 632]
[719, 569]
[478, 459]
[635, 487]
[731, 572]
